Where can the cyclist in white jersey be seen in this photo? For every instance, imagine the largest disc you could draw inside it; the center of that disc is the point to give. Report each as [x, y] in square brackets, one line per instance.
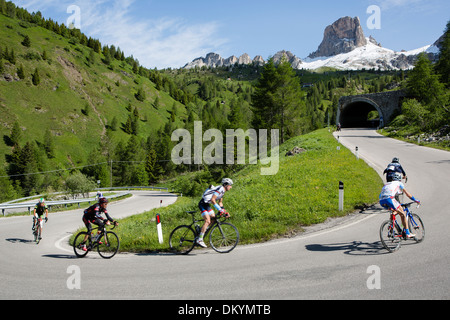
[214, 196]
[387, 199]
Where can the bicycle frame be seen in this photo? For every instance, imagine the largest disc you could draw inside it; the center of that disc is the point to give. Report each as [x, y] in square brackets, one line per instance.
[214, 221]
[409, 217]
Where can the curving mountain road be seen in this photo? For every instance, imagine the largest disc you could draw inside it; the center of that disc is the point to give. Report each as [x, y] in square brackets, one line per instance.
[335, 260]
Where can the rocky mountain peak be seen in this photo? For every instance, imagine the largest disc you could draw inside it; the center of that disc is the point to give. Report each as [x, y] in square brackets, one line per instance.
[343, 36]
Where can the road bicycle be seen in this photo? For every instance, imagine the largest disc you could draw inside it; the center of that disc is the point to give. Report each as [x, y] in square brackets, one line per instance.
[223, 236]
[106, 242]
[391, 233]
[37, 229]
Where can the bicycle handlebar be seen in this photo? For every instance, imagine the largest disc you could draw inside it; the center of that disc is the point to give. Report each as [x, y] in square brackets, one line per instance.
[410, 203]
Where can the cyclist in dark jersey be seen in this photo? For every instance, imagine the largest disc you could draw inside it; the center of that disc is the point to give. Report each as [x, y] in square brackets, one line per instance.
[393, 168]
[93, 214]
[38, 212]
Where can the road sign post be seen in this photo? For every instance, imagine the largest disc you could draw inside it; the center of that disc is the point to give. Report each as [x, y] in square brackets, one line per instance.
[159, 228]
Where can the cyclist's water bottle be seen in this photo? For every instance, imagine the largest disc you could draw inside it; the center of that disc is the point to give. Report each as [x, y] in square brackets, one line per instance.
[197, 229]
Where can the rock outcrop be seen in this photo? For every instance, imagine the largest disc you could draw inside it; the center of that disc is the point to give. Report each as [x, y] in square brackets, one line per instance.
[343, 36]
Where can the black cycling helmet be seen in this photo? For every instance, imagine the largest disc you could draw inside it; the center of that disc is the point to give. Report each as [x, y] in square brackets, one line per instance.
[102, 200]
[397, 177]
[395, 160]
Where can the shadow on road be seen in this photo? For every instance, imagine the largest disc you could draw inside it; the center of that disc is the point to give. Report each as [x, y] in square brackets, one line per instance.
[351, 248]
[18, 240]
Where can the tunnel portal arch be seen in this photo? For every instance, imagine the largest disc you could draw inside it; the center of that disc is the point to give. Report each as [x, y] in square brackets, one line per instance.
[353, 110]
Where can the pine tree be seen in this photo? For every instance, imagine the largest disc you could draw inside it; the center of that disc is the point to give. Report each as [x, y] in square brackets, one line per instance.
[16, 134]
[35, 78]
[276, 100]
[140, 95]
[443, 65]
[151, 166]
[49, 144]
[423, 83]
[26, 41]
[21, 72]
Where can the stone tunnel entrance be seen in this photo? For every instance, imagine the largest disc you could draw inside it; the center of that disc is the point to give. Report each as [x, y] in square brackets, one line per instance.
[369, 110]
[360, 114]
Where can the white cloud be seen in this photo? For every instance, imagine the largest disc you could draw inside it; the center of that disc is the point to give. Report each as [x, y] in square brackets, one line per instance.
[165, 42]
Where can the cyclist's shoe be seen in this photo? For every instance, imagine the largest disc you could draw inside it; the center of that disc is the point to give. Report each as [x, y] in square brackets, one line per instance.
[201, 243]
[83, 247]
[408, 235]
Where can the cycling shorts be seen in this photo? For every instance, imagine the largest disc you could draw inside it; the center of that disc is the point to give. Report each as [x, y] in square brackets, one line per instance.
[390, 203]
[96, 221]
[205, 208]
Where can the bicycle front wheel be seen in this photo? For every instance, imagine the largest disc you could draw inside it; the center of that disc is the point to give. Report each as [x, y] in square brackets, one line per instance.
[416, 227]
[182, 240]
[79, 243]
[389, 236]
[224, 237]
[108, 245]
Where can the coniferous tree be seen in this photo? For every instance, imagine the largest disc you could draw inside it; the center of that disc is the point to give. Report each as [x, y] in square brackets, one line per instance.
[443, 65]
[35, 78]
[49, 144]
[276, 101]
[26, 41]
[423, 83]
[21, 72]
[16, 134]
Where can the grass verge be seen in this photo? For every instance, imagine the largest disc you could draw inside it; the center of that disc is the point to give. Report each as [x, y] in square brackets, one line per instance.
[303, 192]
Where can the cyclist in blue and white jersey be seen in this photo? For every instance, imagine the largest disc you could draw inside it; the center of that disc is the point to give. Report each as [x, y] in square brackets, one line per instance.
[393, 168]
[212, 196]
[387, 199]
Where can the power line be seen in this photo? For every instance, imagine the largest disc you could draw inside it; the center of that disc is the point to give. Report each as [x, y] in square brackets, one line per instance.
[79, 167]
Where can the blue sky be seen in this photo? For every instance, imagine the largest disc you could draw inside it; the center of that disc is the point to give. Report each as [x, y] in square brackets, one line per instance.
[170, 33]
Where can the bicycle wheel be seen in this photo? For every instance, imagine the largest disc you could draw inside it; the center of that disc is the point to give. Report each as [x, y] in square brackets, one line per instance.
[38, 235]
[416, 227]
[108, 245]
[78, 244]
[224, 237]
[182, 240]
[389, 236]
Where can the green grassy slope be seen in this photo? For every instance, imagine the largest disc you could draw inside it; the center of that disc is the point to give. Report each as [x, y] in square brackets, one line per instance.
[69, 84]
[302, 193]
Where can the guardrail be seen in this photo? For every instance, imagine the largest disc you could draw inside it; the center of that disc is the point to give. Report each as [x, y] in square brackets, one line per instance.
[31, 205]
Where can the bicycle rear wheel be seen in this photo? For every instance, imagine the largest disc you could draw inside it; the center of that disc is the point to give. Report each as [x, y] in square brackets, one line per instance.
[224, 237]
[79, 243]
[416, 227]
[389, 236]
[108, 245]
[182, 240]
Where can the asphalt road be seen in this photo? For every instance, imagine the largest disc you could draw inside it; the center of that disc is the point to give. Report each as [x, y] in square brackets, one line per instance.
[341, 259]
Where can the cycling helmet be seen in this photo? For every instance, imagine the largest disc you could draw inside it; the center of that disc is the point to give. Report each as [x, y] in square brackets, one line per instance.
[102, 200]
[395, 160]
[41, 200]
[397, 177]
[227, 181]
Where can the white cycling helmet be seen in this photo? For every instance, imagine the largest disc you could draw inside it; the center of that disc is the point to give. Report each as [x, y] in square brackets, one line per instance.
[227, 181]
